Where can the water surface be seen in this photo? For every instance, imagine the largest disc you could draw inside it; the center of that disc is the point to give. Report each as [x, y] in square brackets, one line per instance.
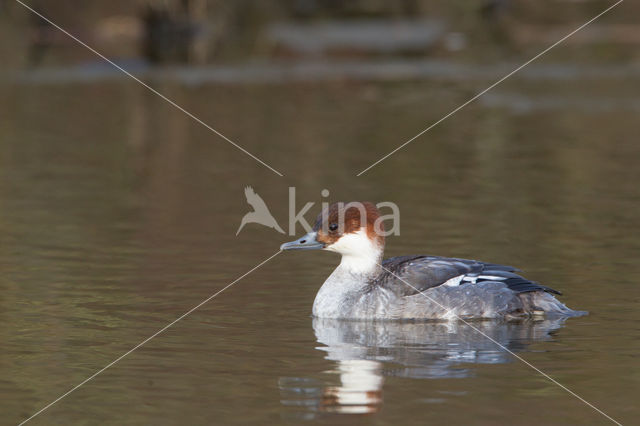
[118, 214]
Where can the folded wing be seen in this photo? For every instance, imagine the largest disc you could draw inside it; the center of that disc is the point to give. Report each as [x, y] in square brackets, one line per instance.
[409, 275]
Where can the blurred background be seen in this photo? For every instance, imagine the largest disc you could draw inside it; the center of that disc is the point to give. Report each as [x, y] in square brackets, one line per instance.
[202, 33]
[118, 212]
[205, 33]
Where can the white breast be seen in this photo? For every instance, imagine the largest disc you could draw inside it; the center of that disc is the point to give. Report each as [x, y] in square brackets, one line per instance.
[336, 296]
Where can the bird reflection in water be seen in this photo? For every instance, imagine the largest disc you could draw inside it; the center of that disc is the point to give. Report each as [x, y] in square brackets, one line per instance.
[366, 352]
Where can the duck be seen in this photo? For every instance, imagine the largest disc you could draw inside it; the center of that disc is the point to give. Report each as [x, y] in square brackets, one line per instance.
[413, 287]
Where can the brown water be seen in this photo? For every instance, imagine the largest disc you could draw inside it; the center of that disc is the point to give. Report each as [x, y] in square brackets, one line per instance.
[118, 214]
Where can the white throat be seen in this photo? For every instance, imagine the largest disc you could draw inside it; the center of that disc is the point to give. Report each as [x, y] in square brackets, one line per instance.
[360, 254]
[361, 259]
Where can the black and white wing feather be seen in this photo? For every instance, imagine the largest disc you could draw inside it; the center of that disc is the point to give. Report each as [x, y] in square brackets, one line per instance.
[409, 275]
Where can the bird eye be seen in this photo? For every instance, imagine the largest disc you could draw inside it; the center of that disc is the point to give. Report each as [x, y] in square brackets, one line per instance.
[333, 226]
